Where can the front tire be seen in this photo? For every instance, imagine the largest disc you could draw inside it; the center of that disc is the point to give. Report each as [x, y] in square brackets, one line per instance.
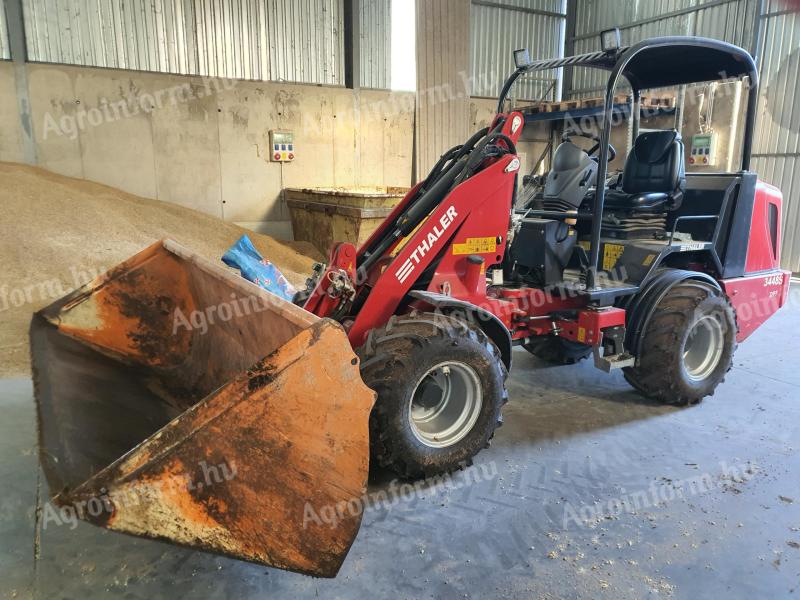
[687, 347]
[440, 385]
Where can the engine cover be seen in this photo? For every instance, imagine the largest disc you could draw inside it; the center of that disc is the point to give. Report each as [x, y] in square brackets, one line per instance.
[540, 251]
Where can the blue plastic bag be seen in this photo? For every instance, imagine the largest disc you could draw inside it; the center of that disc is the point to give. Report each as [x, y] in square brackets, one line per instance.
[254, 267]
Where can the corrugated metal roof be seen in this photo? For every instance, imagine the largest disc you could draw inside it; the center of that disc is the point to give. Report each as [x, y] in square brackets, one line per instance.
[442, 106]
[492, 54]
[777, 139]
[729, 20]
[779, 62]
[275, 40]
[376, 44]
[784, 173]
[5, 50]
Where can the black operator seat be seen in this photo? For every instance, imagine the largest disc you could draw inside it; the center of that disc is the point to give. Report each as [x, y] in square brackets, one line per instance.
[654, 177]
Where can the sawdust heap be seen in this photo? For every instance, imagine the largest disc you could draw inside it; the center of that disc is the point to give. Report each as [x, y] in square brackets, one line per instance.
[57, 232]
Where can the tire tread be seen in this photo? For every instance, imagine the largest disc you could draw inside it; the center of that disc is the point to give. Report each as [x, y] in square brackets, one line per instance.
[384, 348]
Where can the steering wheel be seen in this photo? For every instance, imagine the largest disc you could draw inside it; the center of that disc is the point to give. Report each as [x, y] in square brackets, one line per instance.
[592, 152]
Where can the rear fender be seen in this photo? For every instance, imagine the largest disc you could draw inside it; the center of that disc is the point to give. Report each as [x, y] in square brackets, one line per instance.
[640, 307]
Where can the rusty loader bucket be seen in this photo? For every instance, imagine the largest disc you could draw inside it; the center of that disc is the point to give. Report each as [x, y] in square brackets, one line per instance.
[178, 401]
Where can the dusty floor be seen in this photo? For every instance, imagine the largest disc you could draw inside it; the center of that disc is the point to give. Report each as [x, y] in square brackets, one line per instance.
[57, 233]
[710, 501]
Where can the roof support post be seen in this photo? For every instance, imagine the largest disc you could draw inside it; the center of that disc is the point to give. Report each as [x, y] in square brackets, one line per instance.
[352, 44]
[19, 57]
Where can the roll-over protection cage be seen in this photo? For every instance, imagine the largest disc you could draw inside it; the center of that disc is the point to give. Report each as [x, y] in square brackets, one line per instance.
[652, 63]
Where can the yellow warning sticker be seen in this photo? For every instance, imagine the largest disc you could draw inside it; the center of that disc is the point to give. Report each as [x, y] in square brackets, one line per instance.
[480, 245]
[611, 254]
[648, 260]
[581, 334]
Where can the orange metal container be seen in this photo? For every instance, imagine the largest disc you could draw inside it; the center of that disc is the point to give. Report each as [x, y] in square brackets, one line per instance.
[178, 401]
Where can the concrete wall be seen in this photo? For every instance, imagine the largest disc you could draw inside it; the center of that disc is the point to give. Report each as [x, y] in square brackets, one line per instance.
[727, 122]
[204, 143]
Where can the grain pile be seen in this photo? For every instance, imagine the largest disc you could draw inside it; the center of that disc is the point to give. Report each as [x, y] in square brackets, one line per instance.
[56, 233]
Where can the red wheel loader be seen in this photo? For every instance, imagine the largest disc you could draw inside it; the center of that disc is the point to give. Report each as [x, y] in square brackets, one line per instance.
[653, 271]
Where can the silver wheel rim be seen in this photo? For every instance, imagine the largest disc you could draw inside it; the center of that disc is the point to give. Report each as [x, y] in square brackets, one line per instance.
[703, 348]
[445, 405]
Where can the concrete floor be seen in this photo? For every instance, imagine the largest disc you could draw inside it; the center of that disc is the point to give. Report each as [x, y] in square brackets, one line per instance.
[573, 437]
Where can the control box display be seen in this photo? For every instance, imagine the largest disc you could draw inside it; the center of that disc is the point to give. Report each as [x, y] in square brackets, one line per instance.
[704, 150]
[281, 145]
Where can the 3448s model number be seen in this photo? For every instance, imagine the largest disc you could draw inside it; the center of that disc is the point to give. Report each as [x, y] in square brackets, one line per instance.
[773, 280]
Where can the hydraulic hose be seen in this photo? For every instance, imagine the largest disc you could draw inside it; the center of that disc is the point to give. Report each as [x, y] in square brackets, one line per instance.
[445, 162]
[477, 156]
[452, 168]
[421, 207]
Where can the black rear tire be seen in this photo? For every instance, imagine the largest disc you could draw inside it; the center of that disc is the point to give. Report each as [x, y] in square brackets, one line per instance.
[687, 347]
[557, 350]
[401, 361]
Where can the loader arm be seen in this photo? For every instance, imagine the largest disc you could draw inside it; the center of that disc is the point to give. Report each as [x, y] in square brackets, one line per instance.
[468, 194]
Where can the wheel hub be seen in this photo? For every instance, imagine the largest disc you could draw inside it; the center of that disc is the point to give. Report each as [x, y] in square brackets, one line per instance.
[445, 404]
[703, 348]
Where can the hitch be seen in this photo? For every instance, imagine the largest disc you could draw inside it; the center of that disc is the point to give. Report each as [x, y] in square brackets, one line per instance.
[614, 355]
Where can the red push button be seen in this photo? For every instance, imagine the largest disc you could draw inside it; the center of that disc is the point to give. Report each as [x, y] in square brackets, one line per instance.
[291, 156]
[277, 156]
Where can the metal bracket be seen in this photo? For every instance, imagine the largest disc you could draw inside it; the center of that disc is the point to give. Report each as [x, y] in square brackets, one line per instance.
[614, 361]
[614, 354]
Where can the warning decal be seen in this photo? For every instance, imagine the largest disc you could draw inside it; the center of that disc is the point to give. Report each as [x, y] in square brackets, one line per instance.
[611, 254]
[481, 245]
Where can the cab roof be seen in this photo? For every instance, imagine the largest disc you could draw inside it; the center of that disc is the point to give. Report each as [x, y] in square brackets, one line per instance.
[665, 61]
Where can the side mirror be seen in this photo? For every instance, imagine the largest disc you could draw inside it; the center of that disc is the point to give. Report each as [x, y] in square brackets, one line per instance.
[522, 58]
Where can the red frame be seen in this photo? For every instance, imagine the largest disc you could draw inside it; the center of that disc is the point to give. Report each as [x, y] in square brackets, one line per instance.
[755, 298]
[764, 245]
[462, 234]
[473, 208]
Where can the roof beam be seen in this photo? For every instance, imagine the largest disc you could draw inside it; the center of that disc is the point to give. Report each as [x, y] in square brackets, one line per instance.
[669, 15]
[524, 9]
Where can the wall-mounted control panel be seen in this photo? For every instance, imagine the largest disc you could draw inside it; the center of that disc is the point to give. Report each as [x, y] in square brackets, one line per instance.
[281, 144]
[704, 150]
